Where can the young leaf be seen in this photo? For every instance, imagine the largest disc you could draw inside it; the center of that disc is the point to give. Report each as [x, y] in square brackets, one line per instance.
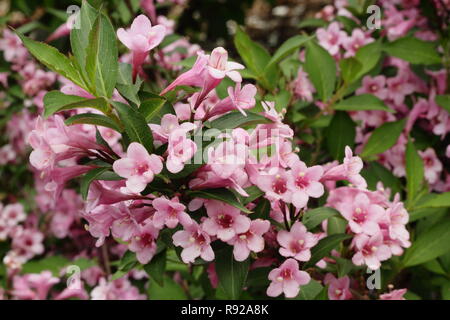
[53, 59]
[340, 133]
[94, 119]
[102, 57]
[56, 101]
[324, 247]
[413, 50]
[135, 125]
[414, 171]
[220, 194]
[383, 138]
[312, 218]
[232, 274]
[362, 102]
[321, 68]
[429, 245]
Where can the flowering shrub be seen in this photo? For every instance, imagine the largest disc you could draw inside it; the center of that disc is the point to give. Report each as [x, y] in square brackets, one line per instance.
[315, 172]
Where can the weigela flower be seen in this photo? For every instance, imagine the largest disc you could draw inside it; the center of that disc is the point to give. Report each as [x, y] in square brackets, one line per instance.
[181, 149]
[304, 183]
[331, 38]
[143, 243]
[250, 241]
[13, 214]
[139, 167]
[287, 279]
[195, 243]
[338, 288]
[224, 221]
[371, 250]
[394, 295]
[169, 213]
[297, 242]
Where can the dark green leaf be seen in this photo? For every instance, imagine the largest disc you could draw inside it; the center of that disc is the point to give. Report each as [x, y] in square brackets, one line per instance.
[94, 119]
[220, 194]
[55, 101]
[362, 102]
[324, 247]
[236, 119]
[157, 266]
[88, 178]
[312, 218]
[340, 133]
[383, 137]
[413, 50]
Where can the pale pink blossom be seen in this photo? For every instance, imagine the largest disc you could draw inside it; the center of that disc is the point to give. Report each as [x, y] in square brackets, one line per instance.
[181, 149]
[138, 167]
[195, 243]
[13, 214]
[287, 279]
[296, 242]
[394, 295]
[144, 242]
[370, 250]
[331, 38]
[224, 221]
[338, 288]
[169, 212]
[357, 40]
[304, 183]
[374, 85]
[432, 165]
[250, 241]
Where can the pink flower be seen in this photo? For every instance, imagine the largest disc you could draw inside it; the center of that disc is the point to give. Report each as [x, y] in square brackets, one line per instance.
[374, 85]
[287, 279]
[140, 39]
[144, 243]
[331, 38]
[169, 124]
[339, 289]
[357, 40]
[28, 242]
[218, 66]
[195, 243]
[13, 214]
[138, 167]
[370, 250]
[169, 212]
[297, 242]
[224, 221]
[180, 149]
[33, 286]
[432, 165]
[303, 87]
[276, 186]
[304, 183]
[399, 88]
[362, 215]
[394, 295]
[238, 99]
[251, 240]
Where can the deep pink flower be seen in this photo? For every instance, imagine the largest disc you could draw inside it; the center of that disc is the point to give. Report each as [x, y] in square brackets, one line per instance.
[169, 213]
[297, 242]
[195, 243]
[238, 99]
[338, 289]
[224, 221]
[432, 165]
[251, 240]
[138, 167]
[287, 279]
[276, 186]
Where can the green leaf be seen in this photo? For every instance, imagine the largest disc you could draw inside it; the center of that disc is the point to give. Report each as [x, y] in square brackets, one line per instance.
[336, 225]
[170, 291]
[156, 268]
[443, 101]
[52, 263]
[262, 209]
[321, 68]
[287, 48]
[56, 101]
[368, 56]
[88, 178]
[362, 102]
[220, 194]
[413, 50]
[383, 138]
[125, 85]
[53, 59]
[79, 36]
[253, 193]
[312, 218]
[309, 291]
[232, 274]
[429, 245]
[324, 247]
[154, 108]
[236, 119]
[340, 133]
[94, 119]
[256, 58]
[436, 201]
[102, 57]
[414, 171]
[375, 172]
[350, 69]
[135, 125]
